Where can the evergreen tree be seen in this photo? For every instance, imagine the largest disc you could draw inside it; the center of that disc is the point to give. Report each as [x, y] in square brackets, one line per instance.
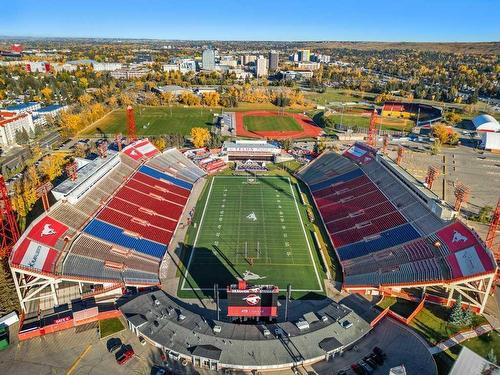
[467, 317]
[491, 356]
[457, 313]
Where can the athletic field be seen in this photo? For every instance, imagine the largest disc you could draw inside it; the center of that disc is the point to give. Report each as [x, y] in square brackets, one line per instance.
[271, 123]
[253, 229]
[151, 121]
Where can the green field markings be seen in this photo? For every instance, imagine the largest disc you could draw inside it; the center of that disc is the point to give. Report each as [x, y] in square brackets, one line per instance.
[271, 123]
[252, 222]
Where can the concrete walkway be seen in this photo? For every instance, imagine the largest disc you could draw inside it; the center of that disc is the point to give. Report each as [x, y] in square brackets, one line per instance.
[460, 337]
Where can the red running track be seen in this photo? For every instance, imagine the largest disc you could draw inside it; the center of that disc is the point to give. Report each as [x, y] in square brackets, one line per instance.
[310, 129]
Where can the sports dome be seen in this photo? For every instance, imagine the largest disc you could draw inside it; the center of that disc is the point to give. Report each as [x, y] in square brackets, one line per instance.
[486, 123]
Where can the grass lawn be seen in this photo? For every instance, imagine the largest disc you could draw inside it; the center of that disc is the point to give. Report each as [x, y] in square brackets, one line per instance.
[339, 95]
[480, 345]
[398, 305]
[364, 121]
[108, 327]
[432, 323]
[270, 123]
[151, 121]
[237, 220]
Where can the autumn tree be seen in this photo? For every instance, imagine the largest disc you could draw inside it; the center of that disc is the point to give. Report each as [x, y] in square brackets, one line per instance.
[85, 99]
[166, 97]
[189, 99]
[47, 93]
[200, 137]
[211, 99]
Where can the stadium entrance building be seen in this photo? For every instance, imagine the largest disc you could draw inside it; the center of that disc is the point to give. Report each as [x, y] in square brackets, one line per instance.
[242, 150]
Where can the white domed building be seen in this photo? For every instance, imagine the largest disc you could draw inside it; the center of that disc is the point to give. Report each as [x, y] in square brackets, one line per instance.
[486, 123]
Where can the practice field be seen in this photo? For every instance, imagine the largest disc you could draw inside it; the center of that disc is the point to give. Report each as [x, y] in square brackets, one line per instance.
[252, 229]
[271, 123]
[152, 121]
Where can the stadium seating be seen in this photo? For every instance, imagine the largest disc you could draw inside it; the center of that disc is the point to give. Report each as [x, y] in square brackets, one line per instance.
[166, 177]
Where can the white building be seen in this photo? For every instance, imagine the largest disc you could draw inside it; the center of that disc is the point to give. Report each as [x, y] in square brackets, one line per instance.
[10, 123]
[129, 73]
[23, 107]
[247, 59]
[261, 67]
[58, 67]
[38, 67]
[171, 67]
[490, 141]
[42, 115]
[106, 66]
[308, 65]
[208, 59]
[296, 74]
[486, 123]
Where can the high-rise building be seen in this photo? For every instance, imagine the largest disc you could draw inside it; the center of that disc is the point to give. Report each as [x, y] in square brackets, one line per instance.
[261, 66]
[273, 60]
[294, 57]
[208, 59]
[247, 59]
[304, 54]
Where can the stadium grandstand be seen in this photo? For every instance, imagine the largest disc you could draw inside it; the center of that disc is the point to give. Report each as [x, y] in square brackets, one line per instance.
[423, 114]
[109, 229]
[390, 232]
[250, 150]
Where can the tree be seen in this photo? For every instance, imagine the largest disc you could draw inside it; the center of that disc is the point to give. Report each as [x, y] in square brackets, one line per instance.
[47, 93]
[453, 138]
[453, 117]
[441, 132]
[85, 99]
[200, 137]
[287, 143]
[159, 143]
[491, 356]
[457, 313]
[166, 97]
[484, 215]
[211, 99]
[436, 147]
[22, 136]
[189, 99]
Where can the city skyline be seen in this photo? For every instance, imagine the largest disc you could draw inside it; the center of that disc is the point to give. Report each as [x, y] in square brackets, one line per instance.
[445, 21]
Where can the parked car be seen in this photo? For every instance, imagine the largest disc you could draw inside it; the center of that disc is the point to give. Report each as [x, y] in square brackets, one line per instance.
[124, 355]
[379, 351]
[142, 340]
[358, 369]
[366, 366]
[113, 344]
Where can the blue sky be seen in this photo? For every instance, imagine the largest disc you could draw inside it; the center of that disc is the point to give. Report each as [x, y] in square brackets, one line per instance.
[377, 20]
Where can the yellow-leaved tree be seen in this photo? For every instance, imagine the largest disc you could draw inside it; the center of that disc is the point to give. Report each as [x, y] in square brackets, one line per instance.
[200, 137]
[211, 99]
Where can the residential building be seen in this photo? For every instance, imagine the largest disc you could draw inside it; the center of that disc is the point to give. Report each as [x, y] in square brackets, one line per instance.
[23, 107]
[208, 59]
[308, 65]
[172, 89]
[129, 73]
[143, 58]
[294, 57]
[10, 123]
[65, 67]
[229, 61]
[37, 67]
[261, 67]
[247, 59]
[317, 57]
[187, 65]
[273, 60]
[304, 54]
[106, 66]
[40, 116]
[171, 67]
[296, 74]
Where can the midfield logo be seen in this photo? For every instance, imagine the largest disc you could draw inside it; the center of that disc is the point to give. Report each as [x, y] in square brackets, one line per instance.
[252, 216]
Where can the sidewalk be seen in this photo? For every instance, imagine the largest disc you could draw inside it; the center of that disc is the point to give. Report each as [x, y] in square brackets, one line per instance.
[460, 337]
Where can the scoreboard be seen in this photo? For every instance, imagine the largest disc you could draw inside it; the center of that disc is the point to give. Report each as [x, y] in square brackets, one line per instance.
[252, 301]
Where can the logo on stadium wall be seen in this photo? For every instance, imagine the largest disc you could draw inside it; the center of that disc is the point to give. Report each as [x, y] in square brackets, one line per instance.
[458, 237]
[47, 230]
[252, 299]
[249, 275]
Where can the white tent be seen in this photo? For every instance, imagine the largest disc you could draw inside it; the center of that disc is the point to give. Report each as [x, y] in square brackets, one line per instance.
[490, 141]
[486, 123]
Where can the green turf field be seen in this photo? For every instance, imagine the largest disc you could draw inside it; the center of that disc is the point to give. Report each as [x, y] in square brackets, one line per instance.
[240, 220]
[270, 123]
[154, 121]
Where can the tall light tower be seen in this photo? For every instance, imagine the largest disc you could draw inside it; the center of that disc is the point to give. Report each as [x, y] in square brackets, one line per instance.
[9, 231]
[372, 130]
[132, 131]
[492, 231]
[432, 173]
[462, 193]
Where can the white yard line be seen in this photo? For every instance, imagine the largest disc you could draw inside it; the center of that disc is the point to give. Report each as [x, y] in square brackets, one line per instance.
[197, 233]
[307, 241]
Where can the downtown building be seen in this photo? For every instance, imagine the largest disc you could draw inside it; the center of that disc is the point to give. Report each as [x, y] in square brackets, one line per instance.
[274, 58]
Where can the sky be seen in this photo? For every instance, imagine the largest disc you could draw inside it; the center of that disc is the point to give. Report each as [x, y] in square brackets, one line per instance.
[294, 20]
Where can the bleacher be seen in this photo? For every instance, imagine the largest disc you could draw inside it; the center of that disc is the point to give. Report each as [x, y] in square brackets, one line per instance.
[382, 232]
[119, 229]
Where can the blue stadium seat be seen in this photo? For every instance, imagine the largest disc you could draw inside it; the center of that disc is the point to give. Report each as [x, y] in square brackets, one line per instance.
[389, 238]
[159, 175]
[115, 235]
[342, 178]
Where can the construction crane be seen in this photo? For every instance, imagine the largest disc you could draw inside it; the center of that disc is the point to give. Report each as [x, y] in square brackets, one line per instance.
[9, 231]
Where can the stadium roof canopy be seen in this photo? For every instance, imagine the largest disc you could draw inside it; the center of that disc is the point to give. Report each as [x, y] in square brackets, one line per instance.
[486, 123]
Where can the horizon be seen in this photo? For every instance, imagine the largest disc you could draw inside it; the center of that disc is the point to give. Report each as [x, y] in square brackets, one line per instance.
[458, 21]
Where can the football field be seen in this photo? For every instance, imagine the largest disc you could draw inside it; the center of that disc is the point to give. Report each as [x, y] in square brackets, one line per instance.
[252, 228]
[271, 123]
